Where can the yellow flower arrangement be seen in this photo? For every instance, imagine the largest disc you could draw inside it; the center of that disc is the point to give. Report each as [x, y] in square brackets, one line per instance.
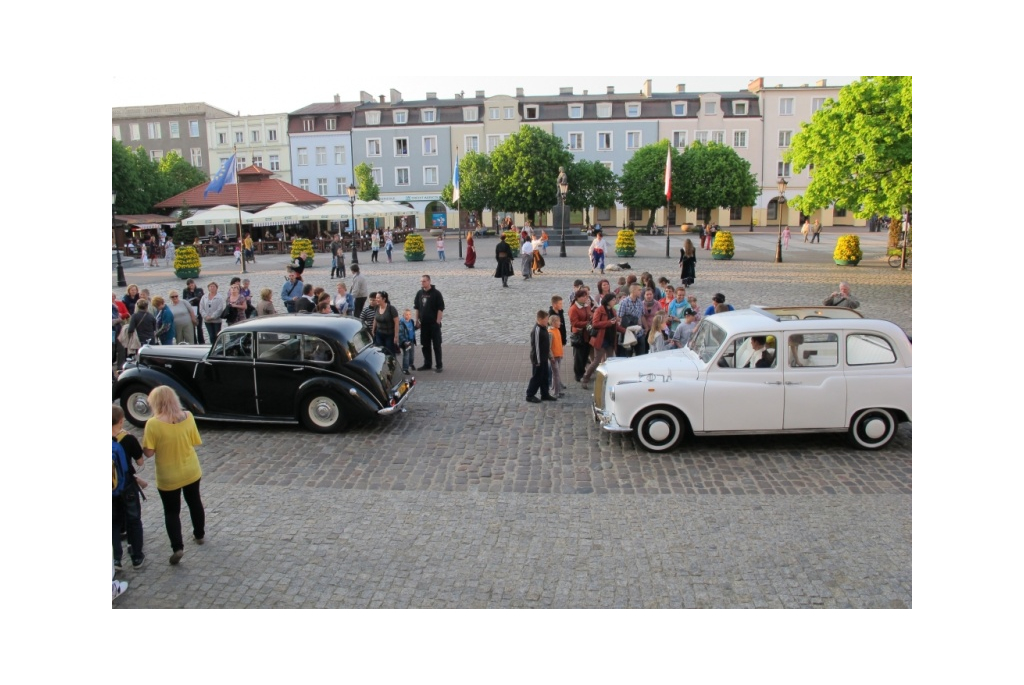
[512, 238]
[300, 245]
[848, 249]
[724, 247]
[414, 247]
[625, 243]
[186, 262]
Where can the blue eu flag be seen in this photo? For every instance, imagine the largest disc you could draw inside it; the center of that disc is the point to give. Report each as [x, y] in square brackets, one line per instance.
[226, 174]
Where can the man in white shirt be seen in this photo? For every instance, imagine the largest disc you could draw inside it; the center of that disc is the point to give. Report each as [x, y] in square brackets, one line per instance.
[526, 253]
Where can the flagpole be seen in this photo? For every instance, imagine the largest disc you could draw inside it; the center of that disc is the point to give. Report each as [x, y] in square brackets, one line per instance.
[238, 206]
[668, 196]
[458, 205]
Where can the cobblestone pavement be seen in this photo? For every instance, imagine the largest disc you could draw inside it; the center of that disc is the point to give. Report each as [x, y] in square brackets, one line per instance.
[473, 498]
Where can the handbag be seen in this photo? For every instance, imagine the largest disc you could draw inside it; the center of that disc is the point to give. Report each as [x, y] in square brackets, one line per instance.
[130, 341]
[576, 339]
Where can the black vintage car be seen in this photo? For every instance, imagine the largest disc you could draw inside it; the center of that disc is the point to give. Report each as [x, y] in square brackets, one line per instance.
[320, 369]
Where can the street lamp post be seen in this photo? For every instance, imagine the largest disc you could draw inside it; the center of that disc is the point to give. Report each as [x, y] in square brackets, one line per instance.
[118, 241]
[782, 200]
[351, 190]
[563, 190]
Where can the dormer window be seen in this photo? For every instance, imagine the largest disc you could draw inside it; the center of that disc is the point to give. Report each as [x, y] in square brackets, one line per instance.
[604, 110]
[469, 113]
[679, 109]
[401, 116]
[332, 124]
[373, 118]
[576, 111]
[531, 112]
[632, 109]
[739, 108]
[428, 116]
[710, 108]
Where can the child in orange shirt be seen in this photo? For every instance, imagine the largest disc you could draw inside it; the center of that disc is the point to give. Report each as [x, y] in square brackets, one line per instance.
[556, 351]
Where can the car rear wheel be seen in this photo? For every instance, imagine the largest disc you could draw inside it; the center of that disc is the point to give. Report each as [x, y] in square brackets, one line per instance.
[659, 428]
[323, 412]
[135, 403]
[872, 429]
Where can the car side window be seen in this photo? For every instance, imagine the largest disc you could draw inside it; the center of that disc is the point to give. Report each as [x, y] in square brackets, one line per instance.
[283, 347]
[864, 348]
[812, 349]
[233, 345]
[750, 352]
[316, 349]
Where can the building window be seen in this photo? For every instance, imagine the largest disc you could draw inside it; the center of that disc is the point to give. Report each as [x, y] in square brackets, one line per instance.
[304, 183]
[816, 104]
[254, 136]
[576, 111]
[373, 147]
[401, 116]
[784, 169]
[510, 112]
[679, 139]
[739, 108]
[222, 138]
[402, 176]
[703, 215]
[332, 124]
[604, 214]
[275, 163]
[493, 141]
[786, 107]
[173, 128]
[773, 210]
[303, 154]
[430, 175]
[604, 110]
[739, 138]
[401, 147]
[710, 108]
[193, 128]
[679, 109]
[272, 134]
[718, 137]
[839, 212]
[634, 140]
[785, 138]
[632, 109]
[321, 186]
[428, 116]
[116, 132]
[309, 124]
[239, 136]
[495, 113]
[429, 146]
[156, 155]
[321, 156]
[701, 137]
[133, 131]
[735, 213]
[339, 154]
[576, 141]
[604, 140]
[196, 157]
[176, 151]
[636, 214]
[610, 166]
[340, 185]
[257, 160]
[469, 114]
[239, 163]
[378, 175]
[473, 143]
[153, 130]
[373, 118]
[531, 112]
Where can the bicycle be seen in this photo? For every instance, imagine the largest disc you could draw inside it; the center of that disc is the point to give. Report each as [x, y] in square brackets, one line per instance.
[894, 260]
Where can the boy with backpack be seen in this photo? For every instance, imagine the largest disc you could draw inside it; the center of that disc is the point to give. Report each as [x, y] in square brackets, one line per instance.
[126, 505]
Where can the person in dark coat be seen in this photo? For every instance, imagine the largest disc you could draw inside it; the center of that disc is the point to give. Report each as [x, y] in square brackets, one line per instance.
[688, 262]
[503, 253]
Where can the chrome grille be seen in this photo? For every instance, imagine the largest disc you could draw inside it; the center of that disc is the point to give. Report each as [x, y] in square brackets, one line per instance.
[599, 381]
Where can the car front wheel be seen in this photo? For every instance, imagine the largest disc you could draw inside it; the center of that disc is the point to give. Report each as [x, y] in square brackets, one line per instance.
[135, 403]
[659, 428]
[872, 429]
[322, 412]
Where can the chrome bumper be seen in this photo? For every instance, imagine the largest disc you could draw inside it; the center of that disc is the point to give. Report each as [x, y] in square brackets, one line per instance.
[402, 397]
[608, 423]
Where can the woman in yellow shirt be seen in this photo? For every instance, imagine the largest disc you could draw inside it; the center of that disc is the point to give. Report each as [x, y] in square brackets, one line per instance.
[172, 436]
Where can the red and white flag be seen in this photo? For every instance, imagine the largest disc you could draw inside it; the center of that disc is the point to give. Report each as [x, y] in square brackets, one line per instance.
[668, 176]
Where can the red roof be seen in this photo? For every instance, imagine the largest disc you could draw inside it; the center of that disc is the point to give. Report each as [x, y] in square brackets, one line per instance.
[256, 189]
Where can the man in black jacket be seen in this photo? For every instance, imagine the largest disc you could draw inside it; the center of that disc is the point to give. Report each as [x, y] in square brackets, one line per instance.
[429, 307]
[540, 351]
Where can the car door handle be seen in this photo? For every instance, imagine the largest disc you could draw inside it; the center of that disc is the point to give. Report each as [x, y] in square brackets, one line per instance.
[773, 382]
[793, 383]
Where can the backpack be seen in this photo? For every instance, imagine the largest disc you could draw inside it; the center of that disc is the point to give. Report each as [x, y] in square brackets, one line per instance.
[119, 469]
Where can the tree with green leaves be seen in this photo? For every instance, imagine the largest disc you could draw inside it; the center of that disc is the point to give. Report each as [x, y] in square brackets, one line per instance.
[368, 188]
[134, 179]
[177, 175]
[476, 184]
[526, 171]
[591, 184]
[715, 176]
[642, 183]
[861, 148]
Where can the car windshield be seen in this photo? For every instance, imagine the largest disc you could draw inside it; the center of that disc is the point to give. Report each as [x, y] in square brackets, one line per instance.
[359, 341]
[706, 340]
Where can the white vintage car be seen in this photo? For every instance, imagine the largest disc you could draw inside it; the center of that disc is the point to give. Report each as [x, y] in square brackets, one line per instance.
[764, 370]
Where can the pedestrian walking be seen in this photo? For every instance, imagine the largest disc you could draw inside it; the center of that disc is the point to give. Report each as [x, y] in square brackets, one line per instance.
[429, 308]
[816, 232]
[503, 254]
[540, 355]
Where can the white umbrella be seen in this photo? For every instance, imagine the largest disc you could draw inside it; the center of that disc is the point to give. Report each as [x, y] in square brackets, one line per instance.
[278, 214]
[339, 210]
[221, 215]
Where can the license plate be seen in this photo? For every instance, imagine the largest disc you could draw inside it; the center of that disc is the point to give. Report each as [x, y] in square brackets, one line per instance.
[402, 388]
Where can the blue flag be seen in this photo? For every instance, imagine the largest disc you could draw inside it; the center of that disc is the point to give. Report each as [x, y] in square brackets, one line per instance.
[455, 181]
[226, 174]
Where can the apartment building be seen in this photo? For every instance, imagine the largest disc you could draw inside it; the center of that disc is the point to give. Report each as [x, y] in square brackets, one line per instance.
[260, 140]
[320, 141]
[162, 129]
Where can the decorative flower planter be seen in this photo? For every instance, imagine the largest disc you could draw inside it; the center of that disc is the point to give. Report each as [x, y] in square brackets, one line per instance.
[625, 253]
[185, 274]
[721, 256]
[414, 256]
[309, 262]
[847, 262]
